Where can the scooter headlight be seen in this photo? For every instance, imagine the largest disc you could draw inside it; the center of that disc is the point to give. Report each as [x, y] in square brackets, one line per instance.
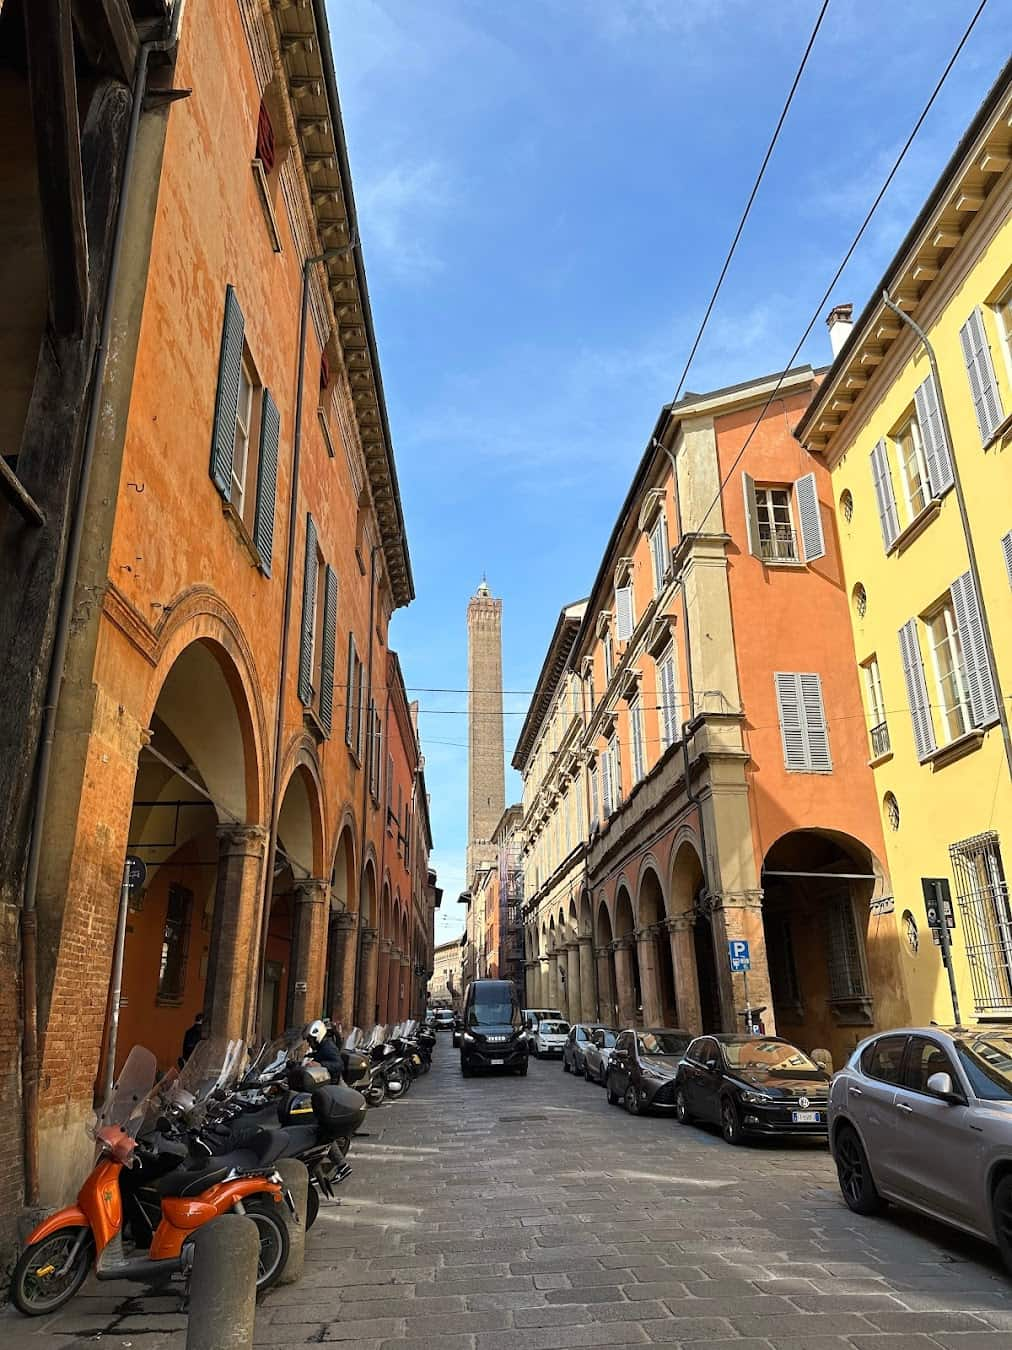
[467, 1036]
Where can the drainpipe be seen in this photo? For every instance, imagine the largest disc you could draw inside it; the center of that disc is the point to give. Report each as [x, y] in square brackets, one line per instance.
[364, 831]
[286, 616]
[61, 636]
[971, 552]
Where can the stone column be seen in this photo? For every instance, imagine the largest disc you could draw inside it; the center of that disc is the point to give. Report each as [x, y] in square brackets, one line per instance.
[530, 984]
[542, 991]
[740, 915]
[393, 985]
[587, 999]
[683, 963]
[366, 992]
[309, 954]
[405, 992]
[649, 989]
[573, 997]
[606, 1009]
[342, 969]
[383, 979]
[233, 956]
[626, 991]
[553, 980]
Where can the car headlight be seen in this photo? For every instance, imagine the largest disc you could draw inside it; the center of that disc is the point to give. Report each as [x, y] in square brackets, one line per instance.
[756, 1098]
[467, 1036]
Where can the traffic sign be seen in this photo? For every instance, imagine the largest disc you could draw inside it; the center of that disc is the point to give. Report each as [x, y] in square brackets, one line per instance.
[137, 872]
[738, 954]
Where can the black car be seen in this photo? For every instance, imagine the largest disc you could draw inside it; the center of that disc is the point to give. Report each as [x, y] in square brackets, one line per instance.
[642, 1067]
[492, 1035]
[572, 1052]
[751, 1085]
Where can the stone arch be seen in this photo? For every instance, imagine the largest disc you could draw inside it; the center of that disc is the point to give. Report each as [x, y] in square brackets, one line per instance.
[656, 958]
[342, 924]
[695, 957]
[367, 960]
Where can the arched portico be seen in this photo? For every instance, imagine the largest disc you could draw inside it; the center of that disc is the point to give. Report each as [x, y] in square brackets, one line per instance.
[628, 982]
[660, 1002]
[607, 996]
[341, 931]
[368, 951]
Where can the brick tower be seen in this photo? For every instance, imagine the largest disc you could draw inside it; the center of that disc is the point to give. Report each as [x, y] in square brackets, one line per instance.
[486, 782]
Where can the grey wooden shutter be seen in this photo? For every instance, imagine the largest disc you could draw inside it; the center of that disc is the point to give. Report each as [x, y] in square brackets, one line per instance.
[329, 649]
[350, 694]
[606, 804]
[624, 624]
[917, 690]
[616, 769]
[980, 688]
[361, 714]
[814, 717]
[226, 401]
[792, 729]
[267, 482]
[1006, 548]
[308, 616]
[888, 519]
[936, 452]
[669, 700]
[751, 515]
[983, 385]
[593, 797]
[810, 518]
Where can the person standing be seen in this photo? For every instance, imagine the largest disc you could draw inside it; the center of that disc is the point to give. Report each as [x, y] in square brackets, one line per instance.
[191, 1037]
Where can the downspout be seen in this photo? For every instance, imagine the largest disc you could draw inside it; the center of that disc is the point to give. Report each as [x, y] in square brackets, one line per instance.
[384, 825]
[286, 617]
[61, 636]
[964, 516]
[364, 831]
[586, 859]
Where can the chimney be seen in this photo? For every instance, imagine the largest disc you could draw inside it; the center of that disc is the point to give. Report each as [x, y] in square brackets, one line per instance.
[839, 321]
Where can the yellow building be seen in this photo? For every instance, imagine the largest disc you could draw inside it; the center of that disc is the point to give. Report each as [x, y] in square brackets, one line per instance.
[919, 446]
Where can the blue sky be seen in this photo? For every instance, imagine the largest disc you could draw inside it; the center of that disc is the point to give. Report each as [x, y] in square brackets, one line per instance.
[546, 189]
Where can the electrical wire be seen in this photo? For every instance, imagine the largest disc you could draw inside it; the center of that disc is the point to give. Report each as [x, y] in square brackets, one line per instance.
[752, 196]
[846, 259]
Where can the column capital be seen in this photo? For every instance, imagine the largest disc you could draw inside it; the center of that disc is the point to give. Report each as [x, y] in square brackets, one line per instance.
[345, 921]
[406, 960]
[751, 899]
[312, 891]
[624, 944]
[385, 944]
[572, 946]
[368, 936]
[238, 838]
[585, 940]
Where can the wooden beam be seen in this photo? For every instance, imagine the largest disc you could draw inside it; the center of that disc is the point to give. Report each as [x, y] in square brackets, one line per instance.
[108, 35]
[968, 199]
[994, 161]
[49, 38]
[946, 236]
[22, 501]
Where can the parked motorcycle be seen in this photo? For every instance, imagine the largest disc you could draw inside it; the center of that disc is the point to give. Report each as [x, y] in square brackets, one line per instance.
[389, 1072]
[137, 1179]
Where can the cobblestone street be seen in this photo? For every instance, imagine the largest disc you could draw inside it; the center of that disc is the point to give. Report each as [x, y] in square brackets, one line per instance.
[513, 1212]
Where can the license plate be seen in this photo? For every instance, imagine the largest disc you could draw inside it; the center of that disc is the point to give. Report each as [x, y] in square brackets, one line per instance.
[806, 1117]
[496, 1059]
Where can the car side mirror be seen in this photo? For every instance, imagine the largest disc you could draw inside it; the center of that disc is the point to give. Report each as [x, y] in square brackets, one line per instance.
[940, 1085]
[711, 1064]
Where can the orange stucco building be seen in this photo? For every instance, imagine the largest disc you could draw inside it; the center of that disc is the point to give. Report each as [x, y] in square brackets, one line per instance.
[231, 715]
[695, 760]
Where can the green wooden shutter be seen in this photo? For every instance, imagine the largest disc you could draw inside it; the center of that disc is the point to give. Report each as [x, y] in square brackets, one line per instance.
[329, 649]
[751, 515]
[226, 401]
[267, 482]
[308, 616]
[350, 693]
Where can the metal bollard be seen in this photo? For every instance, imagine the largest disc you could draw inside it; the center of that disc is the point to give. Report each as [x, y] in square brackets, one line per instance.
[223, 1285]
[295, 1177]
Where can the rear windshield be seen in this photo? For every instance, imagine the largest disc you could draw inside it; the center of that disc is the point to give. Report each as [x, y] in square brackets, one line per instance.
[554, 1028]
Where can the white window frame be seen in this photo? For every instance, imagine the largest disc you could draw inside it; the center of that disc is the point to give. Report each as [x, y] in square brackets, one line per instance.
[912, 427]
[764, 515]
[1003, 314]
[243, 431]
[873, 690]
[660, 551]
[668, 715]
[636, 737]
[945, 612]
[608, 647]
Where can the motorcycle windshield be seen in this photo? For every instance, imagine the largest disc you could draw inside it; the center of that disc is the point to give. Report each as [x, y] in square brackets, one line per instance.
[274, 1056]
[212, 1069]
[376, 1037]
[354, 1039]
[127, 1103]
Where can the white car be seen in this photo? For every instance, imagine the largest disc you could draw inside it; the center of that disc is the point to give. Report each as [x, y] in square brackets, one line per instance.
[550, 1039]
[532, 1016]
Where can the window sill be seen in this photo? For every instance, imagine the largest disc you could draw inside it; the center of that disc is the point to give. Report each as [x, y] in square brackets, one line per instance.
[240, 531]
[782, 562]
[948, 754]
[852, 1012]
[1000, 432]
[312, 720]
[354, 756]
[917, 526]
[879, 760]
[266, 205]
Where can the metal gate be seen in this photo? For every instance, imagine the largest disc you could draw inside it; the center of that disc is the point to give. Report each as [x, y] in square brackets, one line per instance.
[983, 899]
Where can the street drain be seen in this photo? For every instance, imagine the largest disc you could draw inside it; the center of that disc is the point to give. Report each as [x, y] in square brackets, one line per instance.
[517, 1120]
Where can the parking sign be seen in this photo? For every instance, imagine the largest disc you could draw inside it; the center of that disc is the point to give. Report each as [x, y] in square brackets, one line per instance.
[738, 954]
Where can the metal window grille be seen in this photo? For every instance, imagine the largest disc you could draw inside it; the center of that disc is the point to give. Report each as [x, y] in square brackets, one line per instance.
[843, 950]
[175, 944]
[983, 899]
[880, 739]
[778, 543]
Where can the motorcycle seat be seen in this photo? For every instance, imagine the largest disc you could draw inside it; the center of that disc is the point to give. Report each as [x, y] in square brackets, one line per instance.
[257, 1153]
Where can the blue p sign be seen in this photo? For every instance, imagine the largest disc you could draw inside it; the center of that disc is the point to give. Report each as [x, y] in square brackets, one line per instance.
[738, 954]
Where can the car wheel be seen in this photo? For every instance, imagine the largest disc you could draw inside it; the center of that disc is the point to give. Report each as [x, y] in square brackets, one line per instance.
[631, 1101]
[465, 1068]
[730, 1126]
[613, 1097]
[682, 1108]
[586, 1072]
[854, 1174]
[565, 1064]
[522, 1069]
[1001, 1210]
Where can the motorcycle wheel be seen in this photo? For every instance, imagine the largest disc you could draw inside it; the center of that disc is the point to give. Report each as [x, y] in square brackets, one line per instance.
[376, 1092]
[273, 1234]
[34, 1294]
[312, 1206]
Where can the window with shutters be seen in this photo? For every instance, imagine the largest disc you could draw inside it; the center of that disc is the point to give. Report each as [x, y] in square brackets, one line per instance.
[594, 797]
[625, 604]
[660, 553]
[1006, 550]
[777, 540]
[878, 727]
[607, 797]
[1003, 313]
[668, 702]
[353, 700]
[375, 738]
[608, 649]
[987, 404]
[318, 643]
[913, 470]
[802, 722]
[952, 697]
[636, 737]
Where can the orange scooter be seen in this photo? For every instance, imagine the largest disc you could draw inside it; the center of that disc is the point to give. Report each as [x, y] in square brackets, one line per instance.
[60, 1251]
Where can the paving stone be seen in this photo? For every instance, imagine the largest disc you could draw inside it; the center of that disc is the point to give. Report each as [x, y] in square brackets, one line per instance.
[687, 1329]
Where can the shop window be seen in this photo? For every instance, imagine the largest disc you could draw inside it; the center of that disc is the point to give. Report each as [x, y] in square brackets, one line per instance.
[175, 945]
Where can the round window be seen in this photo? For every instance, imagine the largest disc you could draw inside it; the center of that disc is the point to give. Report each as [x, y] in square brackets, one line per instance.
[847, 505]
[910, 932]
[860, 600]
[892, 810]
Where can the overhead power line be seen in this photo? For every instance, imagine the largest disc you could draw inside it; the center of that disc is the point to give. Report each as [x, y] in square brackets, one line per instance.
[752, 196]
[846, 259]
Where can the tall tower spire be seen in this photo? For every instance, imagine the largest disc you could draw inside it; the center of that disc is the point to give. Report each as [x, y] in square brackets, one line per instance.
[486, 783]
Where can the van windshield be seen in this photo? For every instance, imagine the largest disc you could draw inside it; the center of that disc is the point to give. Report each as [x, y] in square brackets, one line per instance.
[493, 1007]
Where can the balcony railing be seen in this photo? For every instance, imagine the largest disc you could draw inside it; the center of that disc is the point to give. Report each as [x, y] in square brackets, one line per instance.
[779, 544]
[880, 740]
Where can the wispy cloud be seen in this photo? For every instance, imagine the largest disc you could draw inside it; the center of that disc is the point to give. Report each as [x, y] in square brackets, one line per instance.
[400, 208]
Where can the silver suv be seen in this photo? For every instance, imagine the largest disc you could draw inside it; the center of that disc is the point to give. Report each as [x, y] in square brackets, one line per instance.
[923, 1117]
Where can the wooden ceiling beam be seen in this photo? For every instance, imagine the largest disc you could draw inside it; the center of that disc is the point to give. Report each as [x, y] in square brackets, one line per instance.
[108, 35]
